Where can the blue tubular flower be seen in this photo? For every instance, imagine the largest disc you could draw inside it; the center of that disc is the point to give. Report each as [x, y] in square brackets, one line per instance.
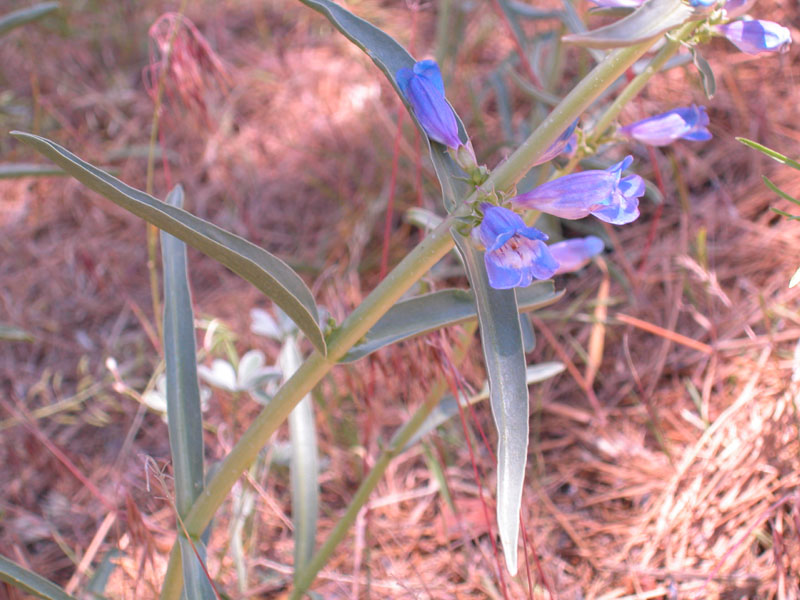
[605, 194]
[515, 253]
[424, 89]
[688, 123]
[702, 3]
[572, 254]
[754, 37]
[559, 145]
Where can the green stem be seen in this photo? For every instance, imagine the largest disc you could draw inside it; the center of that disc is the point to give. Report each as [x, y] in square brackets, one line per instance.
[582, 95]
[305, 578]
[636, 84]
[386, 294]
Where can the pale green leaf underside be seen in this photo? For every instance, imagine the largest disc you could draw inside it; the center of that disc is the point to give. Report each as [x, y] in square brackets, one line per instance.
[23, 16]
[184, 415]
[650, 20]
[423, 314]
[14, 170]
[22, 578]
[267, 272]
[503, 353]
[303, 465]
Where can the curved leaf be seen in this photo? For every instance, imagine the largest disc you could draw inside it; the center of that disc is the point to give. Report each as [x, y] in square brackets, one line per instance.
[184, 415]
[650, 20]
[265, 271]
[303, 466]
[706, 73]
[504, 356]
[23, 16]
[390, 56]
[423, 314]
[773, 154]
[22, 578]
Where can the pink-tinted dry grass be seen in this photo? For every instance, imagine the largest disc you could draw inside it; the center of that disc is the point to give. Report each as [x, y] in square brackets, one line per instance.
[668, 499]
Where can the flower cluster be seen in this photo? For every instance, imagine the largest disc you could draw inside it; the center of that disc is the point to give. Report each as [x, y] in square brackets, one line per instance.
[515, 254]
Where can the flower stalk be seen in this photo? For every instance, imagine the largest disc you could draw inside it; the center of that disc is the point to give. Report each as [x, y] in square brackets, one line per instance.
[386, 294]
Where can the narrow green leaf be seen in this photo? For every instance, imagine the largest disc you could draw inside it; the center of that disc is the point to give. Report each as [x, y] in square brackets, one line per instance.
[389, 56]
[24, 16]
[779, 191]
[196, 582]
[529, 12]
[505, 366]
[15, 170]
[184, 415]
[429, 312]
[268, 273]
[303, 466]
[783, 213]
[528, 335]
[795, 279]
[10, 333]
[573, 22]
[706, 74]
[26, 580]
[448, 407]
[650, 20]
[769, 152]
[96, 586]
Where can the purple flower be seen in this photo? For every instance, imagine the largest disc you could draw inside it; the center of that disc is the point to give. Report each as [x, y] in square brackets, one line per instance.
[754, 37]
[702, 3]
[572, 254]
[605, 194]
[687, 122]
[559, 145]
[515, 253]
[424, 89]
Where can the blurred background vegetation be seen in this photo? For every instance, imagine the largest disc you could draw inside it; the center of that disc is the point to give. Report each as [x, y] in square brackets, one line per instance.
[282, 132]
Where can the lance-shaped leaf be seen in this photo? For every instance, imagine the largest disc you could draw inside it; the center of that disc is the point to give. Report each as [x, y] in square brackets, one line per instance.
[429, 312]
[304, 464]
[504, 356]
[23, 16]
[390, 57]
[34, 584]
[650, 20]
[184, 415]
[706, 73]
[267, 272]
[773, 154]
[14, 170]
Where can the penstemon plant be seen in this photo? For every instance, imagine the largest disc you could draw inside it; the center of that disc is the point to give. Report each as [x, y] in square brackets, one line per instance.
[486, 219]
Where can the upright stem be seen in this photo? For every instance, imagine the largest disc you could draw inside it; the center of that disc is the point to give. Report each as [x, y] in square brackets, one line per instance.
[386, 294]
[636, 85]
